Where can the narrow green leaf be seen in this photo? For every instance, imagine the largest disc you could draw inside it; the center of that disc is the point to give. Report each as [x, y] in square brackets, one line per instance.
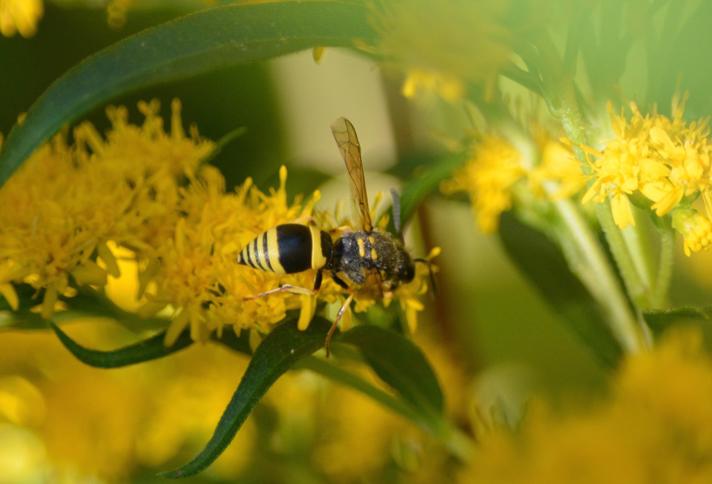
[91, 303]
[281, 349]
[87, 303]
[659, 321]
[426, 180]
[541, 261]
[239, 344]
[196, 43]
[400, 364]
[146, 350]
[223, 142]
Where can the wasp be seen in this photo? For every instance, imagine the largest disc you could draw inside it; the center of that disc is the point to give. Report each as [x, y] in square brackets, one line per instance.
[356, 258]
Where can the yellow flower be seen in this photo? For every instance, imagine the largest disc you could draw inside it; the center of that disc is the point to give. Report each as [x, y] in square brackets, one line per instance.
[654, 426]
[695, 228]
[443, 46]
[493, 173]
[558, 167]
[450, 89]
[198, 275]
[119, 423]
[488, 177]
[64, 205]
[664, 159]
[20, 16]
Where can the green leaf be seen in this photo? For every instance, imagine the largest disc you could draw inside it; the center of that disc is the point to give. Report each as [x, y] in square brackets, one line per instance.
[281, 349]
[400, 364]
[204, 41]
[146, 350]
[224, 142]
[426, 180]
[87, 303]
[541, 261]
[659, 321]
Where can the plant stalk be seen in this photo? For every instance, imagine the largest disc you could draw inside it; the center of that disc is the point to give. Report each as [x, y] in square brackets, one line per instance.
[665, 266]
[630, 328]
[604, 287]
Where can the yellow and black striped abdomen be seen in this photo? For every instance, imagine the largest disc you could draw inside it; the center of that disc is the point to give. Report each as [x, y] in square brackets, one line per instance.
[287, 249]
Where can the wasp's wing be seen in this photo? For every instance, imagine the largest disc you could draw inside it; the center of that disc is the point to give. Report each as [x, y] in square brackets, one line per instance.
[346, 139]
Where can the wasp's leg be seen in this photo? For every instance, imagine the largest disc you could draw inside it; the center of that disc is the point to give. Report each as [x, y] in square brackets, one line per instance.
[332, 330]
[283, 288]
[338, 280]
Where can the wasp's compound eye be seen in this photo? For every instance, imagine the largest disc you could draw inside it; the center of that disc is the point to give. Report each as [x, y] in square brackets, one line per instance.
[408, 272]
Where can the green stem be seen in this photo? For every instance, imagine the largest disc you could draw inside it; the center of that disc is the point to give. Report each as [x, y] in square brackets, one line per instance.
[627, 326]
[664, 274]
[454, 439]
[637, 242]
[604, 286]
[617, 243]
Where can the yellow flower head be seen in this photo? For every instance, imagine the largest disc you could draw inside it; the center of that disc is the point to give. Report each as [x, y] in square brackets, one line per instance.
[488, 177]
[445, 45]
[558, 174]
[664, 159]
[655, 425]
[118, 424]
[198, 275]
[20, 16]
[695, 228]
[496, 167]
[66, 202]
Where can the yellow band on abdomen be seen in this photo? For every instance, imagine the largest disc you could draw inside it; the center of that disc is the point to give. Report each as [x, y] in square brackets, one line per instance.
[273, 251]
[317, 255]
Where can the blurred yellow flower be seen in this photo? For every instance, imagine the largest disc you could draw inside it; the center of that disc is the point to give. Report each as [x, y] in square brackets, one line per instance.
[695, 228]
[198, 275]
[488, 177]
[450, 89]
[444, 45]
[496, 167]
[20, 16]
[664, 159]
[656, 426]
[73, 423]
[116, 12]
[65, 204]
[557, 167]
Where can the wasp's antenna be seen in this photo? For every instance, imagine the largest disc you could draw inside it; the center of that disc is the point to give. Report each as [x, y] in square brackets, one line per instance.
[396, 208]
[431, 273]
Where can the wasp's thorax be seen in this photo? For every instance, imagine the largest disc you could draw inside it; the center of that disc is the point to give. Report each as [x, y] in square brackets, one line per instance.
[355, 254]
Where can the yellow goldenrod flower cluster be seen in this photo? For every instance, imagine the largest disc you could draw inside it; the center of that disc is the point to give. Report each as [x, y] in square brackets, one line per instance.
[20, 16]
[197, 274]
[71, 207]
[66, 203]
[656, 161]
[465, 42]
[496, 169]
[654, 427]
